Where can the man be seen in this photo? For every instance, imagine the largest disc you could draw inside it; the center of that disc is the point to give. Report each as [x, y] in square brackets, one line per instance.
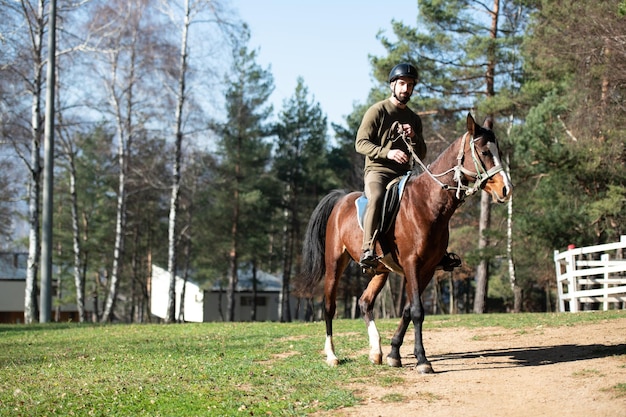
[387, 156]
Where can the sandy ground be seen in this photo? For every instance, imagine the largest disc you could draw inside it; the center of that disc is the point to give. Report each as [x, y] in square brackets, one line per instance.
[565, 371]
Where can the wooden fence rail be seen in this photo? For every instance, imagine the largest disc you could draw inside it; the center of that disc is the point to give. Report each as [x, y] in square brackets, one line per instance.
[590, 275]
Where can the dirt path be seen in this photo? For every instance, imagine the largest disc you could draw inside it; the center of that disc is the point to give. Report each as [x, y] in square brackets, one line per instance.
[565, 371]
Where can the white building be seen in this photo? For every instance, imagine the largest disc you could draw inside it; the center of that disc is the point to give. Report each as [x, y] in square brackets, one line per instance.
[210, 305]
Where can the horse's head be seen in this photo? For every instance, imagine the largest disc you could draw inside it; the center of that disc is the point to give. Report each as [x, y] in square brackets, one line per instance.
[481, 162]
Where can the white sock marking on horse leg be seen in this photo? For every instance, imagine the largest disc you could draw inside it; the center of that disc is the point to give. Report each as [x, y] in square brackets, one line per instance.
[329, 349]
[376, 352]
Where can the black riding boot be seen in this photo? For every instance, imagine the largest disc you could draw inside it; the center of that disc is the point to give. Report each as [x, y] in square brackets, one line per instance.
[450, 261]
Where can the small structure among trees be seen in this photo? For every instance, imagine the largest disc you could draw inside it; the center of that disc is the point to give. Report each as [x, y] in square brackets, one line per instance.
[256, 298]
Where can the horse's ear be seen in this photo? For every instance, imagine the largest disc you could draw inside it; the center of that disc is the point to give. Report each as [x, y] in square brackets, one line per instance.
[488, 123]
[471, 125]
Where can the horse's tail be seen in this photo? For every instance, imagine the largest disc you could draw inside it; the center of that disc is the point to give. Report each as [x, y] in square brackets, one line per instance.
[314, 245]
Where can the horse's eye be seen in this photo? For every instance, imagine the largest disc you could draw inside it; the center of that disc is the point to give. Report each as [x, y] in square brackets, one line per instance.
[485, 153]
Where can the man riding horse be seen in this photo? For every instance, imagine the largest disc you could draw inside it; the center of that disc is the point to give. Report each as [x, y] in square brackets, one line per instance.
[387, 157]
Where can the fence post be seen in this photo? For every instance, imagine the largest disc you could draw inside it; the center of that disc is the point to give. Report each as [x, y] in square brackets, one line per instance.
[570, 267]
[605, 282]
[559, 281]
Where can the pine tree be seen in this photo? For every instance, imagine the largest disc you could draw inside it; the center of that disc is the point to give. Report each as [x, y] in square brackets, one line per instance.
[244, 156]
[302, 165]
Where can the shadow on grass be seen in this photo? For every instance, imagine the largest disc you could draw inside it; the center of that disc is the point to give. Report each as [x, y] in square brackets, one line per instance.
[23, 328]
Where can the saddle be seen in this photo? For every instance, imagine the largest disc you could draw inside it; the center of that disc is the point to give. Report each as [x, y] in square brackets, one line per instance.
[391, 204]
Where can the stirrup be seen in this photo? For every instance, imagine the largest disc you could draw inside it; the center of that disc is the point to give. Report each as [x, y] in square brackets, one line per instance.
[368, 259]
[368, 262]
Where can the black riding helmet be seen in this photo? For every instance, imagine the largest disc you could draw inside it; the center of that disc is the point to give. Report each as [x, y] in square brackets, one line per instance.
[403, 70]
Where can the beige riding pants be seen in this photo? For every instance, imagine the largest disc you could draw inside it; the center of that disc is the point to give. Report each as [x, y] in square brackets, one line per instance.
[375, 187]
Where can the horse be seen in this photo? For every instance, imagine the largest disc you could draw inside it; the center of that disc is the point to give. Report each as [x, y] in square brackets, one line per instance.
[412, 246]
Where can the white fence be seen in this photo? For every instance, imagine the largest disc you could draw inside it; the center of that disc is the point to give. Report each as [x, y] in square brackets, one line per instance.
[594, 274]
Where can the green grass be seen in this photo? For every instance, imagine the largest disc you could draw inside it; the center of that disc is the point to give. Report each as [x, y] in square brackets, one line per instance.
[393, 398]
[619, 390]
[214, 369]
[586, 373]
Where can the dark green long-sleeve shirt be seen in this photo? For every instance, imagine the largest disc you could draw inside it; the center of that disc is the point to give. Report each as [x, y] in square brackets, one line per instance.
[375, 139]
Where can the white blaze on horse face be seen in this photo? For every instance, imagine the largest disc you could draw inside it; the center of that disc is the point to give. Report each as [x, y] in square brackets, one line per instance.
[493, 148]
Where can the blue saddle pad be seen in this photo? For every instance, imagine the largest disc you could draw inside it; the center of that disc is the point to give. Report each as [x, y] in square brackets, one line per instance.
[391, 203]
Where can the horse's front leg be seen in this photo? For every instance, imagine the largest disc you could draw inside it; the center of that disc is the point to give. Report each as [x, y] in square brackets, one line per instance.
[394, 359]
[366, 305]
[417, 316]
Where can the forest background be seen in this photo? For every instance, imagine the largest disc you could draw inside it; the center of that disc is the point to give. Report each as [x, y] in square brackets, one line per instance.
[168, 151]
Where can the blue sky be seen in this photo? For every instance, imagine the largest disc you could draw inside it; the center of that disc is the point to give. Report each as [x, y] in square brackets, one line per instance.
[325, 42]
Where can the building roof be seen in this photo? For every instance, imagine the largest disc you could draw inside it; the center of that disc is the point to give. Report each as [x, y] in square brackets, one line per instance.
[265, 282]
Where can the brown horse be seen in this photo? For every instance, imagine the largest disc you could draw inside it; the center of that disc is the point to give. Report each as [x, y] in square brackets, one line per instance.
[412, 247]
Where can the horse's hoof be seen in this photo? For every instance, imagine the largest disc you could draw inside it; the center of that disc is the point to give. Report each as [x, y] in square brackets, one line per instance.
[425, 368]
[376, 358]
[394, 363]
[332, 362]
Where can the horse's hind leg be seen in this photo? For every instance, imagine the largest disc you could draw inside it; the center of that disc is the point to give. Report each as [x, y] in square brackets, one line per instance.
[366, 304]
[331, 282]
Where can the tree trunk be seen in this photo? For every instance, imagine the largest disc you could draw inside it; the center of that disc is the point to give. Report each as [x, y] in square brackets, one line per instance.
[284, 308]
[174, 200]
[95, 315]
[125, 134]
[233, 278]
[187, 251]
[254, 291]
[517, 291]
[135, 291]
[171, 245]
[118, 250]
[31, 312]
[452, 301]
[181, 302]
[231, 292]
[45, 296]
[79, 278]
[120, 224]
[482, 271]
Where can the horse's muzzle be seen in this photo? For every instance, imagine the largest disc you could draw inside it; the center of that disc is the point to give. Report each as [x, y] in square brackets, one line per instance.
[502, 195]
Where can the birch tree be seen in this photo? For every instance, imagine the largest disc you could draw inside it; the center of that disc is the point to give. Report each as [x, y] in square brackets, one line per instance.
[23, 61]
[124, 38]
[172, 260]
[208, 12]
[69, 154]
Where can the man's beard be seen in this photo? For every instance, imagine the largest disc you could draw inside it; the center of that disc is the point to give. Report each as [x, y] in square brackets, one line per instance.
[403, 100]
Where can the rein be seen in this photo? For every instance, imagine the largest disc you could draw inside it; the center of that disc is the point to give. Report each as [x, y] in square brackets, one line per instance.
[480, 176]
